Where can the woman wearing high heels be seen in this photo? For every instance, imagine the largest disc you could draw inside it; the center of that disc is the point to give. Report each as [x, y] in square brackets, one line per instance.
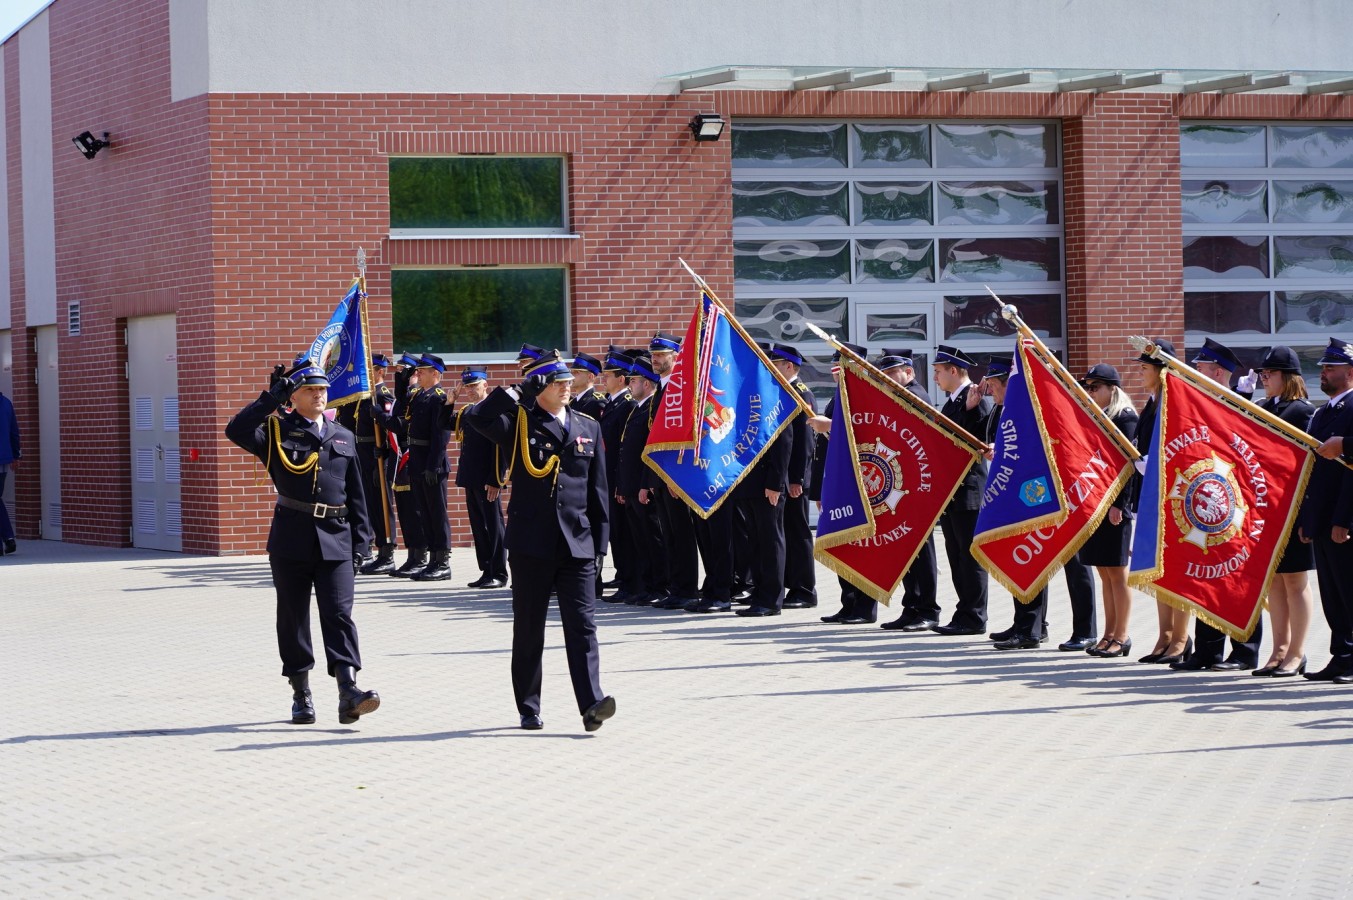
[1289, 596]
[1173, 642]
[1107, 548]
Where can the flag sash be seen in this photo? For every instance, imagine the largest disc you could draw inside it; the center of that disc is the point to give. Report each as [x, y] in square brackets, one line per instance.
[1207, 539]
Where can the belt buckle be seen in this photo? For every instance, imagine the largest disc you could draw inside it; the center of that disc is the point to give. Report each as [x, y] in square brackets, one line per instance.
[319, 511]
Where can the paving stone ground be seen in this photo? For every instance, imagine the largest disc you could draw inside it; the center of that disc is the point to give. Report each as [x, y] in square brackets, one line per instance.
[145, 752]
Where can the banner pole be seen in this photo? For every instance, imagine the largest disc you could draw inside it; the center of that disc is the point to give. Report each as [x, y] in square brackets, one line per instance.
[379, 431]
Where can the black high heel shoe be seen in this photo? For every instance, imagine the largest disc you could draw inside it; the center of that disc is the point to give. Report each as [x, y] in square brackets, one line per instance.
[1099, 648]
[1154, 656]
[1124, 648]
[1177, 657]
[1267, 670]
[1280, 672]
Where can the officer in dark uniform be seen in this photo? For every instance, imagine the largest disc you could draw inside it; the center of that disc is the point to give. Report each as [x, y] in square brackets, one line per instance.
[586, 369]
[970, 411]
[320, 533]
[1219, 362]
[556, 530]
[406, 502]
[857, 607]
[920, 583]
[378, 466]
[646, 578]
[800, 572]
[615, 411]
[678, 521]
[481, 473]
[426, 414]
[1326, 515]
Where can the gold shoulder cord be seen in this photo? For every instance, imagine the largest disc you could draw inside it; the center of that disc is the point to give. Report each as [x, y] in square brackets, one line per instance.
[520, 446]
[309, 467]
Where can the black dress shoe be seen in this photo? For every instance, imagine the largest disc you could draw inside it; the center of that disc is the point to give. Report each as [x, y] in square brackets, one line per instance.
[493, 583]
[1268, 670]
[532, 723]
[1329, 673]
[302, 707]
[1077, 645]
[614, 582]
[742, 596]
[710, 606]
[353, 702]
[1190, 664]
[857, 620]
[478, 582]
[1346, 678]
[757, 611]
[957, 629]
[835, 618]
[671, 601]
[1231, 665]
[619, 597]
[900, 622]
[1017, 642]
[1005, 635]
[799, 604]
[598, 713]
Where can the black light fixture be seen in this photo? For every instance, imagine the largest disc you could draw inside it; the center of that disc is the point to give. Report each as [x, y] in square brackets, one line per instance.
[90, 145]
[707, 126]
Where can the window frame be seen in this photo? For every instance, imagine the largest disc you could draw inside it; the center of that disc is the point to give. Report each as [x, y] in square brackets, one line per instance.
[563, 231]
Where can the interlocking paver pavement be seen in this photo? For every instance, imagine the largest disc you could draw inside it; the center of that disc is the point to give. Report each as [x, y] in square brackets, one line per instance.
[145, 751]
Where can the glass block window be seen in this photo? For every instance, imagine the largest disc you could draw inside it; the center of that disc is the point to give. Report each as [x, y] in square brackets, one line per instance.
[483, 194]
[478, 315]
[885, 233]
[1268, 236]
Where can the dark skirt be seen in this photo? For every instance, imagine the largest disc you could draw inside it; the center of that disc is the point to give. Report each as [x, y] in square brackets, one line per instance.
[1109, 544]
[1297, 557]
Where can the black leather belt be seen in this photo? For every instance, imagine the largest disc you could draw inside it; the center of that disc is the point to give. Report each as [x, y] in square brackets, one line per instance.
[417, 442]
[318, 510]
[366, 440]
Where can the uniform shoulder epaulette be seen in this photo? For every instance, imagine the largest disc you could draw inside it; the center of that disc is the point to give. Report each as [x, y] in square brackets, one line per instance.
[578, 412]
[438, 392]
[598, 395]
[803, 388]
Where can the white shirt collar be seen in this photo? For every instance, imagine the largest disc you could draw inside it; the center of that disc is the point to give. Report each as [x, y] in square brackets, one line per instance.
[1340, 397]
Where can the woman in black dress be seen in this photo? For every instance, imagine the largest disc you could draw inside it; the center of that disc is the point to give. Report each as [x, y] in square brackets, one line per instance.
[1289, 596]
[1107, 549]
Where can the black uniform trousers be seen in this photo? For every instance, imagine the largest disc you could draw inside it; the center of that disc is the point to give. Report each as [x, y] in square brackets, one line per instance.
[1031, 618]
[533, 577]
[410, 519]
[486, 527]
[856, 604]
[1209, 644]
[1080, 585]
[681, 549]
[432, 508]
[1334, 575]
[333, 583]
[742, 553]
[379, 503]
[622, 545]
[800, 573]
[921, 583]
[714, 536]
[767, 546]
[970, 579]
[648, 575]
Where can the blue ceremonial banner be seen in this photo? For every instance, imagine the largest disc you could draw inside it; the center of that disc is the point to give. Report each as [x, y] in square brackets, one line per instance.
[722, 407]
[846, 508]
[341, 350]
[1147, 531]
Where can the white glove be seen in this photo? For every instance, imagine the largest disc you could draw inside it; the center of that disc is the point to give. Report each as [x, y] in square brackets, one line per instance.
[1140, 464]
[1248, 383]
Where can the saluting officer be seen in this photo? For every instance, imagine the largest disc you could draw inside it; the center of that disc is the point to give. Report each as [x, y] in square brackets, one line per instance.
[615, 371]
[427, 427]
[372, 446]
[970, 411]
[556, 530]
[481, 473]
[406, 502]
[320, 533]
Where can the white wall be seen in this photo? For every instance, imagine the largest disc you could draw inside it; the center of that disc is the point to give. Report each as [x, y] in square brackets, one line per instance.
[625, 46]
[35, 155]
[5, 319]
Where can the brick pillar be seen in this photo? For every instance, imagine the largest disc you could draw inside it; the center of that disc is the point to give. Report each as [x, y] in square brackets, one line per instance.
[1124, 251]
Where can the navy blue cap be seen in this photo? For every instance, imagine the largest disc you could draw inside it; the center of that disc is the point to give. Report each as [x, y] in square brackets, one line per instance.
[432, 362]
[853, 348]
[1281, 359]
[953, 356]
[787, 352]
[642, 367]
[1161, 344]
[1217, 352]
[892, 358]
[310, 375]
[999, 366]
[617, 361]
[380, 360]
[550, 366]
[587, 362]
[1102, 372]
[1338, 353]
[470, 375]
[408, 359]
[662, 341]
[528, 353]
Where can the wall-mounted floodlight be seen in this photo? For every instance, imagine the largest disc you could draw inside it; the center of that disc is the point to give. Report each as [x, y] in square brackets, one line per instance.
[707, 126]
[89, 145]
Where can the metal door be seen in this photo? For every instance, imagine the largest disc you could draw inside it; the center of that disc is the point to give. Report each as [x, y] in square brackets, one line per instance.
[49, 431]
[152, 377]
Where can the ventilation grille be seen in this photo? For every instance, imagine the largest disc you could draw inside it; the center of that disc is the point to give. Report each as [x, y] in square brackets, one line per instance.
[171, 465]
[73, 319]
[144, 411]
[145, 517]
[173, 517]
[171, 413]
[145, 464]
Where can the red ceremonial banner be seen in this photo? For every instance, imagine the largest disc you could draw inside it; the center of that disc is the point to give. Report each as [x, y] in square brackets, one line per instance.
[1088, 466]
[1228, 487]
[675, 420]
[909, 466]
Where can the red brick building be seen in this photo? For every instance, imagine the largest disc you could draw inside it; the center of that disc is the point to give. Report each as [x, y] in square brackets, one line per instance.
[250, 156]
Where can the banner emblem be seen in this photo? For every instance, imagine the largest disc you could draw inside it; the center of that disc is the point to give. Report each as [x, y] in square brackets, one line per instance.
[1035, 492]
[1205, 500]
[882, 476]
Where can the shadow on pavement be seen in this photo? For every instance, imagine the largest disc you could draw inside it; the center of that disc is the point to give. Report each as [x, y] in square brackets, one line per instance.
[500, 732]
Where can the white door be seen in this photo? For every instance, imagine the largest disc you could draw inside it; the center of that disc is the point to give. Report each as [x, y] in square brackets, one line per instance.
[49, 432]
[901, 325]
[7, 388]
[152, 364]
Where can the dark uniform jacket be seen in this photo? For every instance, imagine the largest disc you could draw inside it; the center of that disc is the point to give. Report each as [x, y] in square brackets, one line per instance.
[590, 402]
[1329, 493]
[358, 418]
[631, 473]
[481, 462]
[801, 456]
[771, 472]
[425, 421]
[334, 481]
[571, 503]
[614, 413]
[973, 421]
